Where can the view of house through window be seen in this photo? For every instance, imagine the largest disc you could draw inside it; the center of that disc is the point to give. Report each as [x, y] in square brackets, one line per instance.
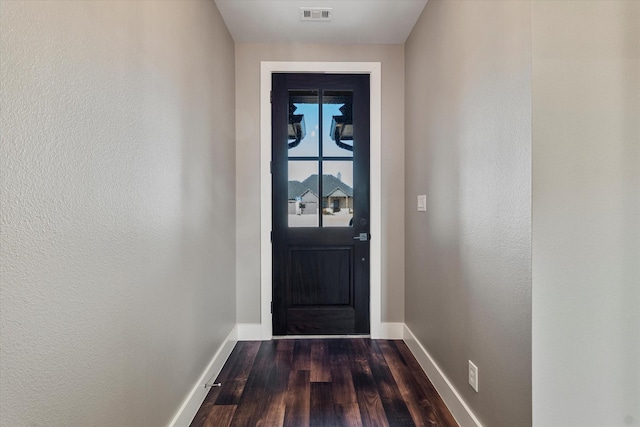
[320, 151]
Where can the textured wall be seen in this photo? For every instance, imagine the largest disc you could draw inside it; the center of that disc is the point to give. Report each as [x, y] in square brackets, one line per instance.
[467, 147]
[248, 57]
[586, 213]
[118, 208]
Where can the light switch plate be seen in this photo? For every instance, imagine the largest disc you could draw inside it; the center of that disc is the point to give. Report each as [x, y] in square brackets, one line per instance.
[422, 203]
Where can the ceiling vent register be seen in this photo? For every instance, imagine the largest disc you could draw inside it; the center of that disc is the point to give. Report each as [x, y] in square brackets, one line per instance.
[316, 14]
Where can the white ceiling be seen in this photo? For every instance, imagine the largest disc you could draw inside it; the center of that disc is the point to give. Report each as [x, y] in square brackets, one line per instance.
[354, 21]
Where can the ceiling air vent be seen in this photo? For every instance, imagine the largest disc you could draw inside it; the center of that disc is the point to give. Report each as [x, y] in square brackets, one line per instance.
[315, 13]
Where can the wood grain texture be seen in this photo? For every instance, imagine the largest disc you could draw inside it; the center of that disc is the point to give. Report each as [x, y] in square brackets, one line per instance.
[220, 416]
[369, 401]
[323, 382]
[314, 283]
[235, 377]
[297, 409]
[320, 368]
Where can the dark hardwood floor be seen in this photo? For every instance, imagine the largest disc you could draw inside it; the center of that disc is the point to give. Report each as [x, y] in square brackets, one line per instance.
[323, 382]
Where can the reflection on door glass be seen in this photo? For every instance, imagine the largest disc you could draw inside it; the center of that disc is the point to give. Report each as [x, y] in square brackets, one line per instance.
[303, 201]
[337, 193]
[337, 123]
[303, 123]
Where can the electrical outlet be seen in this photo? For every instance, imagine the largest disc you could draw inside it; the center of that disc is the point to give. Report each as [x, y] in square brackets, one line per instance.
[473, 376]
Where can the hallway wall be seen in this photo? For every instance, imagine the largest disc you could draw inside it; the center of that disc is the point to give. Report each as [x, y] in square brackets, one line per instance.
[248, 58]
[117, 180]
[586, 213]
[468, 148]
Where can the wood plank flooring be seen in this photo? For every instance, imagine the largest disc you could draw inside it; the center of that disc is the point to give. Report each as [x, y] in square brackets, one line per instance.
[322, 383]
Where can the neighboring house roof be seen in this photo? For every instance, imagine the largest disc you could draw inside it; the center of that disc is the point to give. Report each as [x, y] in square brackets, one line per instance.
[309, 196]
[296, 189]
[329, 185]
[337, 192]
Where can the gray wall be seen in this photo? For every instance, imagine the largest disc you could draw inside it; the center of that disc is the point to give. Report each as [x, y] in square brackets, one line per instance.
[118, 208]
[467, 147]
[586, 213]
[248, 57]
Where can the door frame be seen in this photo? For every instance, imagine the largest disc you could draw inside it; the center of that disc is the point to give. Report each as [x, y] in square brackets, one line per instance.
[267, 68]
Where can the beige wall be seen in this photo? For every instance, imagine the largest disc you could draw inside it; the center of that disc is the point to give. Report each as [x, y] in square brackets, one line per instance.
[467, 147]
[118, 208]
[586, 213]
[248, 58]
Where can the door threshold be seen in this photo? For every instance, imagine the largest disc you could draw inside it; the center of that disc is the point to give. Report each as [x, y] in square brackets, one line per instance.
[313, 337]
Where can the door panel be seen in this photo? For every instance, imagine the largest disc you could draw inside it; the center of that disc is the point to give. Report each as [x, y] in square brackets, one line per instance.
[320, 182]
[312, 283]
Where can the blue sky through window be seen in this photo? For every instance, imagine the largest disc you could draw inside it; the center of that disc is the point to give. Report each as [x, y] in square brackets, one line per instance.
[309, 145]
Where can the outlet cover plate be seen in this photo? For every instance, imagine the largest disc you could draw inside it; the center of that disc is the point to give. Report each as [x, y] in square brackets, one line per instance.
[473, 376]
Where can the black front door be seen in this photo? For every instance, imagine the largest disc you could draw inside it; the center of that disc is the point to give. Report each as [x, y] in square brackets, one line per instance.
[320, 179]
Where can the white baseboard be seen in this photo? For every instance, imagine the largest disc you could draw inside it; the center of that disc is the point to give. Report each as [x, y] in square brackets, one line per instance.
[250, 332]
[255, 331]
[391, 331]
[459, 409]
[191, 404]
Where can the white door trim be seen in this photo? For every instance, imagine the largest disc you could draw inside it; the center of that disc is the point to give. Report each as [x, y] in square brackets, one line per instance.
[374, 70]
